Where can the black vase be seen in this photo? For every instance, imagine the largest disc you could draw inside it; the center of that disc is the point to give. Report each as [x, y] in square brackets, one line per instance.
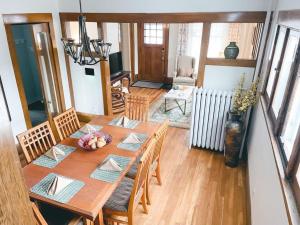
[234, 131]
[231, 51]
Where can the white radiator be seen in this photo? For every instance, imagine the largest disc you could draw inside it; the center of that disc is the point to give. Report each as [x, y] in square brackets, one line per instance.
[208, 118]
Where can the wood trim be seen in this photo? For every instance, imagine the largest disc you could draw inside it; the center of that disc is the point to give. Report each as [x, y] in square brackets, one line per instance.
[132, 53]
[231, 62]
[18, 76]
[289, 18]
[106, 87]
[242, 17]
[10, 19]
[71, 89]
[203, 53]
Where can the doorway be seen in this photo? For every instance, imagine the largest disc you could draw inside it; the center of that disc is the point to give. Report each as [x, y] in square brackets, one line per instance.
[153, 42]
[35, 60]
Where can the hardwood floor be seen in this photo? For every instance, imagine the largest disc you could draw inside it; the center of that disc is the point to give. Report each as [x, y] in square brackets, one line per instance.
[197, 189]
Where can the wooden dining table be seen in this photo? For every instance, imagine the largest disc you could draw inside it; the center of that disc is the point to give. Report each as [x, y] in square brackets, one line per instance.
[79, 165]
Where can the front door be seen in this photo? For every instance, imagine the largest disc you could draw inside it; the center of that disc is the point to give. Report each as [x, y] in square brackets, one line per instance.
[153, 51]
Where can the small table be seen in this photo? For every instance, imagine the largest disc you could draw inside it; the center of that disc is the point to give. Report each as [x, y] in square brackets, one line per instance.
[183, 93]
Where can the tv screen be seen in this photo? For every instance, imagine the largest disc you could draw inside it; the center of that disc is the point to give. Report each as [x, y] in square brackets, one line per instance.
[115, 62]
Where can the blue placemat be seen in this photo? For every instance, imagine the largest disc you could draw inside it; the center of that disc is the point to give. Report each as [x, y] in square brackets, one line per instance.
[131, 123]
[111, 176]
[63, 196]
[133, 147]
[78, 134]
[45, 161]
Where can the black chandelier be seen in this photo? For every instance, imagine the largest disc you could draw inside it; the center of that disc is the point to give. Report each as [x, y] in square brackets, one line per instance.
[81, 52]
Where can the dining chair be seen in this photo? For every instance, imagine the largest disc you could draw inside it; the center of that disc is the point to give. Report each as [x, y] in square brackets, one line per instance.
[36, 141]
[154, 170]
[137, 107]
[130, 193]
[66, 123]
[59, 217]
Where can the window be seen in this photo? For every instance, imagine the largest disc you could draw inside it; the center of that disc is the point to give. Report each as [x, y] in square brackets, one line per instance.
[153, 33]
[276, 57]
[282, 95]
[246, 35]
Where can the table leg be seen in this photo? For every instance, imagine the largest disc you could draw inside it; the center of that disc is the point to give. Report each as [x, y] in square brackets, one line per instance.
[99, 219]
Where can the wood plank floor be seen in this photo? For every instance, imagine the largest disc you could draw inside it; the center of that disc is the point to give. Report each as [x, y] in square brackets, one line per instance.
[198, 189]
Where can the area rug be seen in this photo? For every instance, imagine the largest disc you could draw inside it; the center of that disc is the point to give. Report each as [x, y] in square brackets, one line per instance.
[175, 116]
[147, 84]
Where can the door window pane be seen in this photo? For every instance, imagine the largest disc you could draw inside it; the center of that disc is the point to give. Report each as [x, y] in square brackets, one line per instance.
[292, 120]
[153, 33]
[288, 59]
[276, 57]
[246, 35]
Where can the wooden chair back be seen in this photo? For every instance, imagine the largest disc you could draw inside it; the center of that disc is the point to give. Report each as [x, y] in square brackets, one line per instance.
[140, 180]
[66, 123]
[160, 137]
[38, 215]
[137, 107]
[36, 141]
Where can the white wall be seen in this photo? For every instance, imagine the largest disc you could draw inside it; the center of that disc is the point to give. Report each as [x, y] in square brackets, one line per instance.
[163, 6]
[6, 69]
[172, 53]
[88, 95]
[267, 203]
[226, 77]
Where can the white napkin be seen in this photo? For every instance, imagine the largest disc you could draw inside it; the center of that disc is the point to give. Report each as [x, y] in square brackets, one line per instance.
[87, 129]
[58, 184]
[123, 121]
[132, 139]
[54, 152]
[110, 165]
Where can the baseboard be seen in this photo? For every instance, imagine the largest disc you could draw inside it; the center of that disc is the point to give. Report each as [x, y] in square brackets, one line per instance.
[248, 198]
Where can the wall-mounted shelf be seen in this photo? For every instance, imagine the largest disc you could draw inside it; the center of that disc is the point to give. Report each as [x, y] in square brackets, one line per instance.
[230, 62]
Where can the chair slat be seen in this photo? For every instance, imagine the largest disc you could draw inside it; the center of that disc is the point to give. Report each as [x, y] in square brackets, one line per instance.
[32, 139]
[137, 107]
[66, 123]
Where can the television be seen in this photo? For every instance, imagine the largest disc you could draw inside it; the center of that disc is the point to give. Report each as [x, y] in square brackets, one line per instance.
[115, 63]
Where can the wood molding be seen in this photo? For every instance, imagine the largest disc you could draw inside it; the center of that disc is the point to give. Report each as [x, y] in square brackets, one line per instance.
[9, 20]
[132, 53]
[71, 89]
[231, 62]
[18, 76]
[245, 17]
[106, 87]
[203, 53]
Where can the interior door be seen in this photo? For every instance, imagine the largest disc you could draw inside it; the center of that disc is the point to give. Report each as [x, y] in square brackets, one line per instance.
[153, 51]
[45, 61]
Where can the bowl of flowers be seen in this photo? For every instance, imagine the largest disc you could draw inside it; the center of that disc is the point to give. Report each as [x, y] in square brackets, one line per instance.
[94, 140]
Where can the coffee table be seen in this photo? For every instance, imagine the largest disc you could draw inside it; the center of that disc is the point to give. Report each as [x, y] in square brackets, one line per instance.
[181, 93]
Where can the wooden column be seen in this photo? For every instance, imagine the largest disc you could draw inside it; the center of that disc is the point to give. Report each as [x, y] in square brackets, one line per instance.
[203, 53]
[132, 52]
[106, 87]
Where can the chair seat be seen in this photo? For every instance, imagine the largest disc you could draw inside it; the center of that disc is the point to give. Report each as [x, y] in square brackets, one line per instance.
[55, 216]
[133, 170]
[119, 200]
